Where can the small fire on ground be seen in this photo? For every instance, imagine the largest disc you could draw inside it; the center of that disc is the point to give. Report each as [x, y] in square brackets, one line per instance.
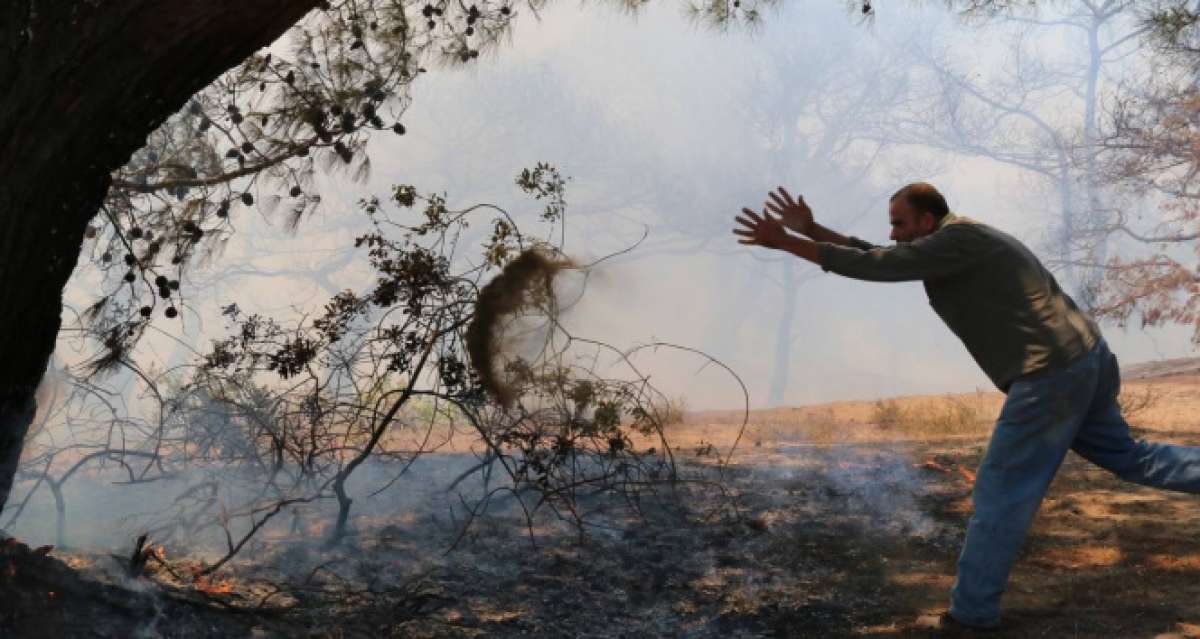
[204, 582]
[967, 474]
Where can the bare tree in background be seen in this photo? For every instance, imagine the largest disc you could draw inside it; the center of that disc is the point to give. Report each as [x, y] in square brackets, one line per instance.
[82, 428]
[1151, 149]
[816, 143]
[1038, 112]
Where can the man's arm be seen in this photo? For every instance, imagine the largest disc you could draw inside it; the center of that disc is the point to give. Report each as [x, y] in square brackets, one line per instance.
[796, 215]
[934, 256]
[937, 255]
[803, 248]
[821, 234]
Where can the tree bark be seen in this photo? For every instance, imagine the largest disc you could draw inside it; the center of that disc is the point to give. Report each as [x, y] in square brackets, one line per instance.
[84, 83]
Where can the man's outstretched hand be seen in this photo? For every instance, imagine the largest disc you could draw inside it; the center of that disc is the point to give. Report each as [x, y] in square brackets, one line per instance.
[794, 214]
[761, 231]
[769, 231]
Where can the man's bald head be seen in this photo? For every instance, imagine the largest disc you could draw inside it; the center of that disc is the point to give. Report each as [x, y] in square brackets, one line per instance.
[915, 211]
[923, 198]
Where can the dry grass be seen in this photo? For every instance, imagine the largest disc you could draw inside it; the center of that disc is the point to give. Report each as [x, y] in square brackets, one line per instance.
[1167, 404]
[916, 418]
[1163, 405]
[941, 417]
[671, 411]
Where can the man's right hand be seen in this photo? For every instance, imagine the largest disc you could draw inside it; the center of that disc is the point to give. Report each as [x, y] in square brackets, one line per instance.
[794, 214]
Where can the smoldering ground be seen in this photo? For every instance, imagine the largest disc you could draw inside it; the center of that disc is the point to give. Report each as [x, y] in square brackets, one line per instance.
[828, 541]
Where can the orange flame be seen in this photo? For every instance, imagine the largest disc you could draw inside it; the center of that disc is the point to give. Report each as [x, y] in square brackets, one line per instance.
[930, 464]
[208, 585]
[963, 471]
[222, 587]
[968, 475]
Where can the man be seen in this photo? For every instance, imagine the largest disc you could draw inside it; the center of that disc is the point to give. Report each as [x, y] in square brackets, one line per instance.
[1030, 339]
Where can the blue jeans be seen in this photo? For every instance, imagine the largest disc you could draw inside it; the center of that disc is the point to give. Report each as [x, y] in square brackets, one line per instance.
[1045, 415]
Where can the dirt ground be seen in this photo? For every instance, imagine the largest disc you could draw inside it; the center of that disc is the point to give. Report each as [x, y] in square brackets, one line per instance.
[852, 534]
[846, 541]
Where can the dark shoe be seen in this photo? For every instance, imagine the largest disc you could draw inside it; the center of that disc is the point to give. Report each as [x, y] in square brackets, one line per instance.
[948, 622]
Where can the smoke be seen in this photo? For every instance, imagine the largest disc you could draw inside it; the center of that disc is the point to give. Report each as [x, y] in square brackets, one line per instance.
[880, 487]
[103, 511]
[885, 486]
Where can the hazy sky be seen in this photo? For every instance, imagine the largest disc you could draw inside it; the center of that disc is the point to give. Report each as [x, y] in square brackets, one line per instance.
[654, 120]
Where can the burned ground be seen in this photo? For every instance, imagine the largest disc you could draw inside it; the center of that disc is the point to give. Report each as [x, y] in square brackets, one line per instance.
[829, 541]
[802, 539]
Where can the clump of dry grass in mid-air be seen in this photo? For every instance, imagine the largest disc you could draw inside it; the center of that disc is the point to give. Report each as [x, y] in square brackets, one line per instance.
[527, 282]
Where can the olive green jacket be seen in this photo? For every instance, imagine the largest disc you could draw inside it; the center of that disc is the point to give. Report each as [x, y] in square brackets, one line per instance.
[989, 288]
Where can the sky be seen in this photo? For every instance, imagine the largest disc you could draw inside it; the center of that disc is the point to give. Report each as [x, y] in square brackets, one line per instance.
[660, 125]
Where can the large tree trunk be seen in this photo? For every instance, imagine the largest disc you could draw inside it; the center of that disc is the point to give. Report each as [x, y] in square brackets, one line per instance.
[84, 83]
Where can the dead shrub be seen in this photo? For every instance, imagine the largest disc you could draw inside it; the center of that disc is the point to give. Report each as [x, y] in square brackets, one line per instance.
[671, 411]
[951, 416]
[940, 417]
[887, 414]
[821, 425]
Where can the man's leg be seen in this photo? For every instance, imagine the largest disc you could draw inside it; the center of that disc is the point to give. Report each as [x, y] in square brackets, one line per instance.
[1036, 427]
[1104, 440]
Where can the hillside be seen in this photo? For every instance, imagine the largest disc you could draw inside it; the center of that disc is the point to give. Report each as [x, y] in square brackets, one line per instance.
[1161, 396]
